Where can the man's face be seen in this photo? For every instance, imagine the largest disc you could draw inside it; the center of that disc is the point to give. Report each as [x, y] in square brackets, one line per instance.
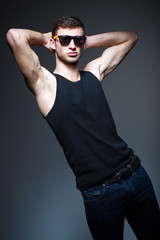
[71, 53]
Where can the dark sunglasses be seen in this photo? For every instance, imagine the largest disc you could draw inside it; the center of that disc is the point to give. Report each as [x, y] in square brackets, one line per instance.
[66, 39]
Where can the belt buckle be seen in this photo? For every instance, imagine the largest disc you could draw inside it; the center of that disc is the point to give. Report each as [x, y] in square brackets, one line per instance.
[119, 176]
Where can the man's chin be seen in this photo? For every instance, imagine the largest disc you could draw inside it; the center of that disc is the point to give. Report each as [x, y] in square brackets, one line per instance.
[71, 60]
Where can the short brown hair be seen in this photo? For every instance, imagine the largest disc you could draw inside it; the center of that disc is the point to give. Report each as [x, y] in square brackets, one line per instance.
[67, 22]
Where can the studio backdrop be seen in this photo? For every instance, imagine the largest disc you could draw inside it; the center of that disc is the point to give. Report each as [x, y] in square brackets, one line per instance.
[39, 199]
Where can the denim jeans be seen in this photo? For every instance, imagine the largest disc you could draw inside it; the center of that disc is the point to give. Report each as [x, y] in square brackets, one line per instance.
[107, 206]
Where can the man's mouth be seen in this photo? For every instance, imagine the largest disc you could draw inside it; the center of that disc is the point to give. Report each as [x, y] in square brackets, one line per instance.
[72, 54]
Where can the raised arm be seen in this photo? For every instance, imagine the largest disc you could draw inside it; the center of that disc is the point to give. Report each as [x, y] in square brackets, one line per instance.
[20, 41]
[118, 43]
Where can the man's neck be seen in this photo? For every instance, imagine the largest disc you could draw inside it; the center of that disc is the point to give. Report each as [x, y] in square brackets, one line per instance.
[68, 70]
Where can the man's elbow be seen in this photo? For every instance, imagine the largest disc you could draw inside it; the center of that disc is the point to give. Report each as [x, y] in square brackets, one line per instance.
[135, 37]
[14, 37]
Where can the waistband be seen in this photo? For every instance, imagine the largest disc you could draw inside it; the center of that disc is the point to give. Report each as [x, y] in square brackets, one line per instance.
[126, 172]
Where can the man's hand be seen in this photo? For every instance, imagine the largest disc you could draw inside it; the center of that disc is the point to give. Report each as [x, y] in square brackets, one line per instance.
[47, 37]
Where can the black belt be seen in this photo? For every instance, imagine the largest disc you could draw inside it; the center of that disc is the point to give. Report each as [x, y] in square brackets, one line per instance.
[126, 172]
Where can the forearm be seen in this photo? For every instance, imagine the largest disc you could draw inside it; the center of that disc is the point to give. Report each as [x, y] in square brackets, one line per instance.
[26, 36]
[111, 39]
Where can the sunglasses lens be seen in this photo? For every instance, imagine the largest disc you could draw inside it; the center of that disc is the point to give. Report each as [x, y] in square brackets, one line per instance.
[79, 40]
[64, 40]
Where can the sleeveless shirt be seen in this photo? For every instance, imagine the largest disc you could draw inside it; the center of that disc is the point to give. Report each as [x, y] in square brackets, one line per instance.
[83, 124]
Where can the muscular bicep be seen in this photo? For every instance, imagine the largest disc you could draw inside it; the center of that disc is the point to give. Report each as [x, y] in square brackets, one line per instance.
[109, 60]
[27, 61]
[29, 65]
[112, 57]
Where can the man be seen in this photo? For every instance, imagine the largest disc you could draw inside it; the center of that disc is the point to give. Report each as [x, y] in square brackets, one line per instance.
[110, 177]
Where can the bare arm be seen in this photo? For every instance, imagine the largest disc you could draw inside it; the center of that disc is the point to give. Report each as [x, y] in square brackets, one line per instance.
[20, 41]
[118, 43]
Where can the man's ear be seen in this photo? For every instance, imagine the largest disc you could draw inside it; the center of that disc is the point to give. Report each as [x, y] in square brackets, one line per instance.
[85, 44]
[84, 47]
[52, 44]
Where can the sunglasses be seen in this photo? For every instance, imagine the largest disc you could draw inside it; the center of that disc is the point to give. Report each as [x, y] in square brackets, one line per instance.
[66, 39]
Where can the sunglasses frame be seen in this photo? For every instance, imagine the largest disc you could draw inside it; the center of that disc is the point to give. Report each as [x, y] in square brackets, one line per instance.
[75, 38]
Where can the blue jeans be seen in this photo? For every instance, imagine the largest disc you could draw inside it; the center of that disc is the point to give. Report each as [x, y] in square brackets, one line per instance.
[107, 206]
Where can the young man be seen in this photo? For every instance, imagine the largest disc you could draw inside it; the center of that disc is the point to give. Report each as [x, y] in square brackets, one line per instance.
[110, 177]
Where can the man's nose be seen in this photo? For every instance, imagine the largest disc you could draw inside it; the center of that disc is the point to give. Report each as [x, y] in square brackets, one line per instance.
[72, 44]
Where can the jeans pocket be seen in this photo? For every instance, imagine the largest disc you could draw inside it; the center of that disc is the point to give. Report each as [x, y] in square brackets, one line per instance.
[93, 194]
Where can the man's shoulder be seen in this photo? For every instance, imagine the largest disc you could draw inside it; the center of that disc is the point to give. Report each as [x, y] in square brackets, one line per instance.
[93, 68]
[89, 76]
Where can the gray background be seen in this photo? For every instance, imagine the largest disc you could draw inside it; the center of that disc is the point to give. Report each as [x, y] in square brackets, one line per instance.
[39, 199]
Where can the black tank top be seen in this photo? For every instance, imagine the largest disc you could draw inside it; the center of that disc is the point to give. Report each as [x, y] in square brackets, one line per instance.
[83, 124]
